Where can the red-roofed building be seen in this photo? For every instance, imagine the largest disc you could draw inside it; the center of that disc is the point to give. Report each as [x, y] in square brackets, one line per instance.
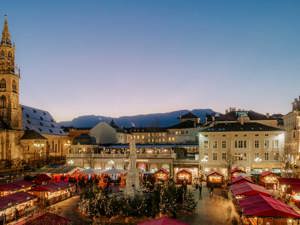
[53, 192]
[49, 219]
[16, 205]
[17, 186]
[263, 209]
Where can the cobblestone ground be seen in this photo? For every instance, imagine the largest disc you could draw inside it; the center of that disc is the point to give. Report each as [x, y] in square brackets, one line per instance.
[214, 210]
[210, 210]
[68, 209]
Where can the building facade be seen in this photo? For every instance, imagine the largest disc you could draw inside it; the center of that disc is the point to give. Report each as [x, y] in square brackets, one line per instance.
[243, 143]
[292, 141]
[26, 134]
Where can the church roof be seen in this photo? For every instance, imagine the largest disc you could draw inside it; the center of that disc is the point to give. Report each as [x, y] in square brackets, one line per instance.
[40, 121]
[31, 134]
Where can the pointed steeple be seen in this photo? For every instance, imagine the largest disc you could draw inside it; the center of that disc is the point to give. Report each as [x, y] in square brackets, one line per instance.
[5, 34]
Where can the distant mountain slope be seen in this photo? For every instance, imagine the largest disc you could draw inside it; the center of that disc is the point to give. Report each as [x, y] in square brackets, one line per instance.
[147, 120]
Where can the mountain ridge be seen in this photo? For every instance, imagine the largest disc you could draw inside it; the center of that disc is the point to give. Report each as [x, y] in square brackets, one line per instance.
[142, 120]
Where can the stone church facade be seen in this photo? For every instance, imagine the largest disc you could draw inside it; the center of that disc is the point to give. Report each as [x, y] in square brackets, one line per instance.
[26, 134]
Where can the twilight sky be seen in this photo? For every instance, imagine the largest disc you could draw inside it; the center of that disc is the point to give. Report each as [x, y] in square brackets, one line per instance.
[130, 57]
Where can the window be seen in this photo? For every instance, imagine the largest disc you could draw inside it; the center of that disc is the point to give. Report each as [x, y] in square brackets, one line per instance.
[205, 144]
[240, 144]
[215, 156]
[223, 144]
[3, 84]
[256, 143]
[276, 156]
[224, 156]
[238, 157]
[276, 143]
[2, 54]
[266, 155]
[267, 144]
[3, 102]
[14, 86]
[256, 155]
[215, 144]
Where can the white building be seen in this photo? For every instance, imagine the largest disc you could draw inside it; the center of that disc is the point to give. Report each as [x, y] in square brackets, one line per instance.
[243, 143]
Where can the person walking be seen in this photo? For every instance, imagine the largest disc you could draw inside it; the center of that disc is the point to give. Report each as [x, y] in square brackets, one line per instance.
[200, 189]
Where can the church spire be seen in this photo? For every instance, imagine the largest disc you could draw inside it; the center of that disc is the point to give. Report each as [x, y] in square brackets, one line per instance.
[5, 34]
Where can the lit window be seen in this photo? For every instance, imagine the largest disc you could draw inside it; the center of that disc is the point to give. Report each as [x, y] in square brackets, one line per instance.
[266, 155]
[223, 144]
[215, 156]
[256, 143]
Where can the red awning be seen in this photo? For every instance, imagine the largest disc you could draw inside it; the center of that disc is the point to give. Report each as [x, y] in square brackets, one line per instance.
[266, 173]
[163, 221]
[248, 189]
[14, 199]
[241, 179]
[264, 206]
[52, 187]
[15, 186]
[214, 174]
[49, 219]
[294, 183]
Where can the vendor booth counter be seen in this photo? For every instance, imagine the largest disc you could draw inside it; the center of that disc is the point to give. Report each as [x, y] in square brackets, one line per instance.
[15, 206]
[184, 176]
[53, 192]
[268, 179]
[214, 179]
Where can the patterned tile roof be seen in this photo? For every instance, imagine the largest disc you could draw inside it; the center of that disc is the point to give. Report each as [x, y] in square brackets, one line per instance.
[40, 121]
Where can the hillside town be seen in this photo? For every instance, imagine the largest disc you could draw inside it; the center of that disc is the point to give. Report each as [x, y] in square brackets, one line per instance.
[244, 162]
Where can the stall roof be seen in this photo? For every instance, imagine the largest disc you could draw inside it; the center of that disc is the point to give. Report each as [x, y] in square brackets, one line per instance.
[294, 183]
[248, 189]
[214, 173]
[241, 179]
[52, 187]
[15, 199]
[264, 206]
[17, 185]
[266, 173]
[49, 219]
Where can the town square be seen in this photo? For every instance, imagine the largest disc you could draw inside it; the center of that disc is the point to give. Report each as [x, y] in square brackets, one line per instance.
[149, 112]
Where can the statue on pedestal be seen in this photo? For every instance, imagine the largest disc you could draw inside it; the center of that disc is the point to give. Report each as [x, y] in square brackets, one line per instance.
[132, 178]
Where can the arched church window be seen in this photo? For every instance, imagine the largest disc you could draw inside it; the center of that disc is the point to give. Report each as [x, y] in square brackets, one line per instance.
[3, 84]
[3, 102]
[9, 55]
[14, 86]
[2, 54]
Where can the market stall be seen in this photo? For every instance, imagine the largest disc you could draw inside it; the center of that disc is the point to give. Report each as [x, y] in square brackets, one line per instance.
[16, 205]
[42, 179]
[49, 219]
[246, 189]
[214, 179]
[237, 172]
[269, 180]
[162, 221]
[241, 179]
[53, 192]
[289, 189]
[263, 210]
[184, 176]
[161, 175]
[17, 186]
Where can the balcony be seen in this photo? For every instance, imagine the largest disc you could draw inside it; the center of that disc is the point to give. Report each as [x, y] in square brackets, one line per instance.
[121, 155]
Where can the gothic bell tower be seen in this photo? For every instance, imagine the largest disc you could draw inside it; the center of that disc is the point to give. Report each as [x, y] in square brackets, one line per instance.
[10, 109]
